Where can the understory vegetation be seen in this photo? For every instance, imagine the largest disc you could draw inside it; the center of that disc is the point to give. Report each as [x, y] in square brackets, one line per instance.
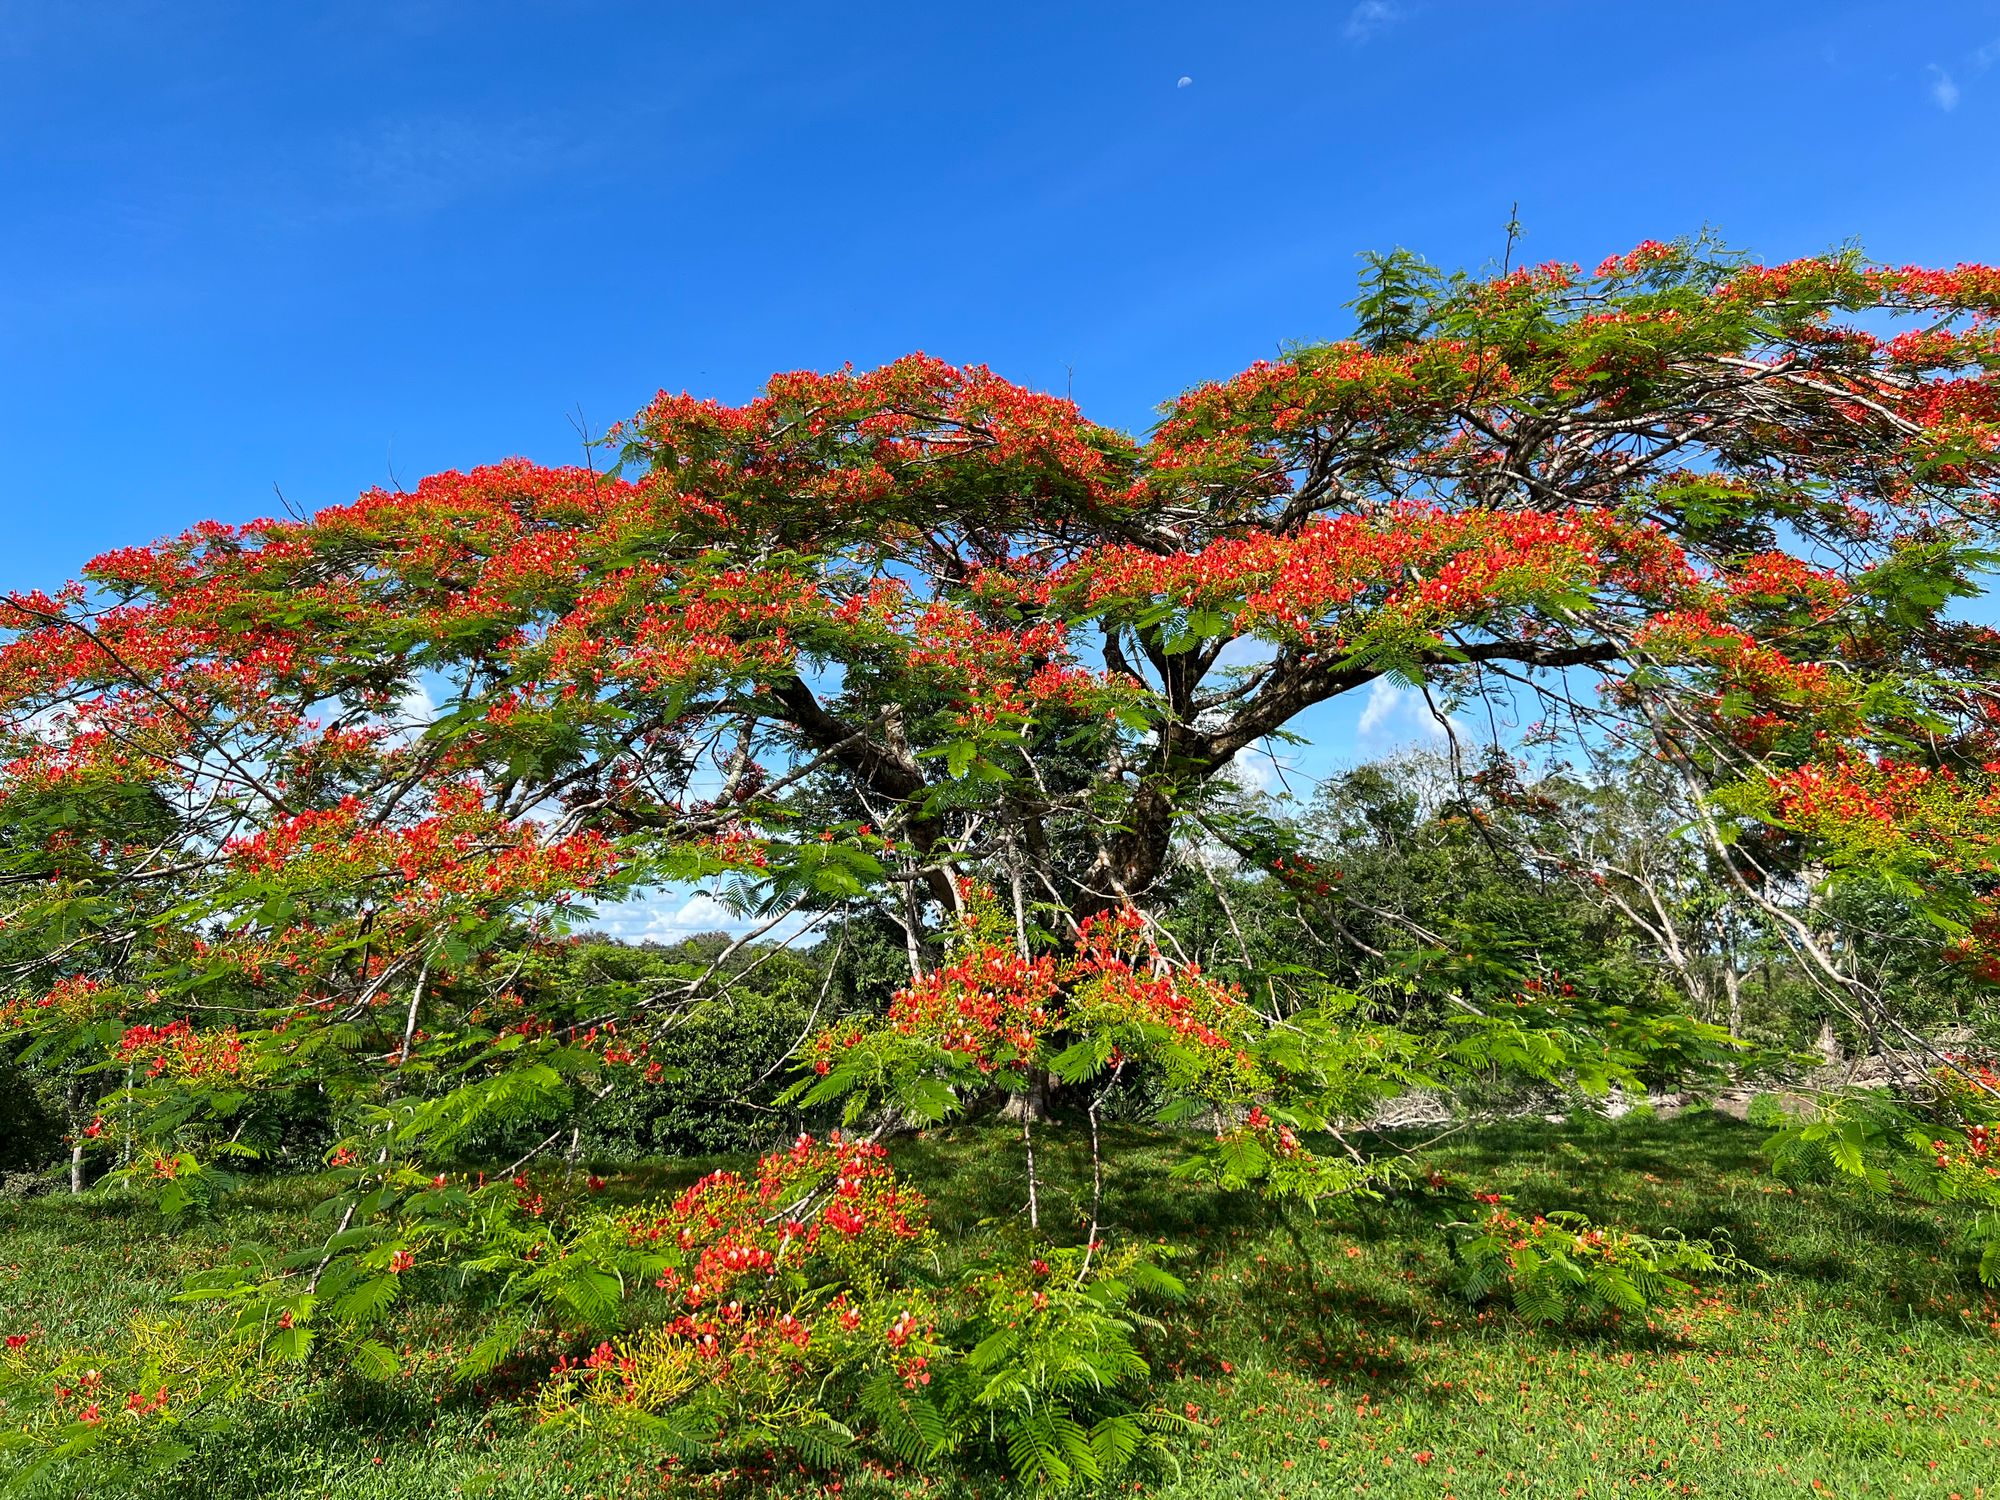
[1329, 1355]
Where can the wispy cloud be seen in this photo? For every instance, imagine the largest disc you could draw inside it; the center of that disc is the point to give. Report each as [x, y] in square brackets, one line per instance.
[1395, 715]
[1388, 701]
[415, 712]
[671, 916]
[1944, 92]
[1370, 19]
[422, 162]
[1254, 773]
[391, 168]
[1260, 768]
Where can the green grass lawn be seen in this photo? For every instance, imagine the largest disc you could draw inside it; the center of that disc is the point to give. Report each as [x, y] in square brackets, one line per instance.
[1326, 1357]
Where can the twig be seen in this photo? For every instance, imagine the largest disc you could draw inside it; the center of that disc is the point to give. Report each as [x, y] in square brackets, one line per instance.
[1096, 1173]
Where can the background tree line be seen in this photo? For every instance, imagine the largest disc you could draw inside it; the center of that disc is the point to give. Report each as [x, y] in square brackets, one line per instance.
[1416, 883]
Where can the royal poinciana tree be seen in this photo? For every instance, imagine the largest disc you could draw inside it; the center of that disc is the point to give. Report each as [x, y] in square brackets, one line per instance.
[924, 647]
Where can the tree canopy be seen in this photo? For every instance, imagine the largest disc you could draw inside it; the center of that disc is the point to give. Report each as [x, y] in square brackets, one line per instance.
[921, 660]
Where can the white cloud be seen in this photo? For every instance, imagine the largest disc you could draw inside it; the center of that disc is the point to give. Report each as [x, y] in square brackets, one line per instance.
[670, 916]
[414, 713]
[415, 709]
[1370, 19]
[1944, 92]
[1395, 715]
[667, 917]
[50, 726]
[1254, 769]
[701, 912]
[1385, 696]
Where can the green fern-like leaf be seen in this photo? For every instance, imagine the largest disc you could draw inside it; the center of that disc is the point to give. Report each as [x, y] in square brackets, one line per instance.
[591, 1293]
[1075, 1444]
[1035, 1452]
[1115, 1441]
[815, 1437]
[908, 1425]
[486, 1355]
[375, 1360]
[367, 1298]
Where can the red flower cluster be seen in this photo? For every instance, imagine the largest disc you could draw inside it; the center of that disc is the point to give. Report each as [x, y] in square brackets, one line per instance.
[836, 1201]
[847, 439]
[75, 999]
[1412, 564]
[988, 1002]
[460, 850]
[1120, 976]
[178, 1050]
[1731, 663]
[992, 1006]
[1930, 822]
[747, 1346]
[1283, 1141]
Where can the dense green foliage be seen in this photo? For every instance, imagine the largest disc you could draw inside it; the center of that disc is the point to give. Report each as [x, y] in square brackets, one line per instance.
[1316, 1355]
[950, 697]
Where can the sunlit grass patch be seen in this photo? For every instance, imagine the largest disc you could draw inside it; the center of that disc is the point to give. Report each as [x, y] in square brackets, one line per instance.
[1321, 1356]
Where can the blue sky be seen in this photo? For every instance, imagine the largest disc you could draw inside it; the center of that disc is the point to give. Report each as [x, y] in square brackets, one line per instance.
[318, 247]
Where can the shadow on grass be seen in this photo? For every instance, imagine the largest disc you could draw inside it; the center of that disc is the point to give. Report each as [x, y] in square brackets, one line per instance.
[1352, 1295]
[1826, 1244]
[1707, 1176]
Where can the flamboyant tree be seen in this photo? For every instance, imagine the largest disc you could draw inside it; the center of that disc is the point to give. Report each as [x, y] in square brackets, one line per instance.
[920, 645]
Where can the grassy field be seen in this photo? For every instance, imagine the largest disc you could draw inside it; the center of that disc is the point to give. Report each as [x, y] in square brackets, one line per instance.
[1325, 1357]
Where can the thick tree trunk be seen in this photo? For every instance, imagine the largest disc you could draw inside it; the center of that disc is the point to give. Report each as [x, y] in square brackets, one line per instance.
[1035, 1102]
[1139, 853]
